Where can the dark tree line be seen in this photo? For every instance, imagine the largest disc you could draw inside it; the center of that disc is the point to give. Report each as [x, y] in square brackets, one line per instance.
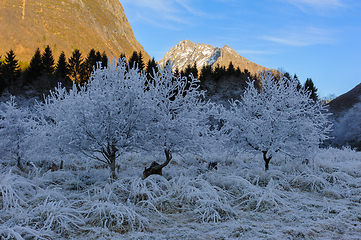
[43, 73]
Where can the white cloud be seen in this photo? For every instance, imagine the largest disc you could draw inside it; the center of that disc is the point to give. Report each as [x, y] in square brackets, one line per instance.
[297, 36]
[319, 7]
[164, 13]
[256, 52]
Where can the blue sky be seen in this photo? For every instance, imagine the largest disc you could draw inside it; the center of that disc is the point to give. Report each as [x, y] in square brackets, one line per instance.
[318, 39]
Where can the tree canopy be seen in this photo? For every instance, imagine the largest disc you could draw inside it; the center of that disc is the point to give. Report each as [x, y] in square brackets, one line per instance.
[279, 118]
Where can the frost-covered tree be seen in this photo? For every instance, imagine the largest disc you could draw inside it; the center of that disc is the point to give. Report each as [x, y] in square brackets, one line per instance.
[15, 125]
[101, 119]
[177, 115]
[279, 118]
[348, 128]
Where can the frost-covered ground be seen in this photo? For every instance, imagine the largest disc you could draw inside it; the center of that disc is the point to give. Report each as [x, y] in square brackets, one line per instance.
[239, 200]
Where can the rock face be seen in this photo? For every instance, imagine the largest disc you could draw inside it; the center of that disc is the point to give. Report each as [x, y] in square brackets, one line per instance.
[65, 25]
[187, 52]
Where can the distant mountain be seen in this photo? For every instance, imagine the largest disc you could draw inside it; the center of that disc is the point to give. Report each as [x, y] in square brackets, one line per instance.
[65, 25]
[346, 101]
[187, 53]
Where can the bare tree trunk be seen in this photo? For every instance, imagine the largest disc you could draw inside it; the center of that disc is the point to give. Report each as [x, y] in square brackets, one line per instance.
[110, 155]
[112, 166]
[20, 166]
[156, 168]
[266, 160]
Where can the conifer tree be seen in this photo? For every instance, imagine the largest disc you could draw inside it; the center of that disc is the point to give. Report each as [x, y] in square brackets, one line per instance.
[230, 70]
[141, 65]
[75, 67]
[36, 67]
[98, 56]
[206, 72]
[89, 64]
[176, 73]
[62, 71]
[194, 70]
[62, 68]
[104, 60]
[150, 66]
[122, 55]
[133, 60]
[48, 61]
[11, 68]
[219, 72]
[187, 71]
[2, 81]
[238, 72]
[309, 86]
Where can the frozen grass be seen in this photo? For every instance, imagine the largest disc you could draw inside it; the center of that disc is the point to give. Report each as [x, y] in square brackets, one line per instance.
[321, 200]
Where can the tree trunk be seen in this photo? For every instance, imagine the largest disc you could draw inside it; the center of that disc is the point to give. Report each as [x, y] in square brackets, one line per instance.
[156, 168]
[112, 165]
[266, 160]
[110, 155]
[20, 166]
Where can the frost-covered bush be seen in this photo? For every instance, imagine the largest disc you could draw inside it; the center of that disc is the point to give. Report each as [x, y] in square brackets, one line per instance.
[178, 113]
[118, 217]
[102, 119]
[15, 192]
[15, 126]
[208, 201]
[120, 110]
[279, 118]
[348, 128]
[58, 216]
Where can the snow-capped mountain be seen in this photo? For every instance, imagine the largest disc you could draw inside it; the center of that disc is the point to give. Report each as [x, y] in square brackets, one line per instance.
[187, 53]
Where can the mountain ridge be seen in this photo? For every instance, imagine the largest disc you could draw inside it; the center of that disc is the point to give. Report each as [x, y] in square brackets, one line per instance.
[64, 26]
[187, 53]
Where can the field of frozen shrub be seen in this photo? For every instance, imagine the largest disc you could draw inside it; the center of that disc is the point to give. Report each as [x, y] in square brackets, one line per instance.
[86, 163]
[238, 200]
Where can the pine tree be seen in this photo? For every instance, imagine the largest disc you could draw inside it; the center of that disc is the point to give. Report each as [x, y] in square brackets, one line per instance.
[11, 68]
[150, 66]
[2, 81]
[122, 55]
[194, 70]
[98, 56]
[309, 86]
[62, 71]
[36, 67]
[187, 71]
[141, 65]
[206, 72]
[89, 65]
[230, 70]
[133, 60]
[176, 73]
[104, 60]
[219, 72]
[48, 61]
[75, 67]
[62, 68]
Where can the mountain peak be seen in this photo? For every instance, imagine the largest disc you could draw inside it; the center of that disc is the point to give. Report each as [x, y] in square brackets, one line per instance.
[187, 53]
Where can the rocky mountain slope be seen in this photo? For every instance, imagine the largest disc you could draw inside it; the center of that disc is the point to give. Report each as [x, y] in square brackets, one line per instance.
[344, 102]
[65, 25]
[187, 52]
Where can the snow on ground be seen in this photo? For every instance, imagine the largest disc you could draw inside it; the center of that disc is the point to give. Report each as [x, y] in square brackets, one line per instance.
[318, 200]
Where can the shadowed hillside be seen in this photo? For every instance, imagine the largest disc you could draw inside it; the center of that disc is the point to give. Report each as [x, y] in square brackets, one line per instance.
[346, 101]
